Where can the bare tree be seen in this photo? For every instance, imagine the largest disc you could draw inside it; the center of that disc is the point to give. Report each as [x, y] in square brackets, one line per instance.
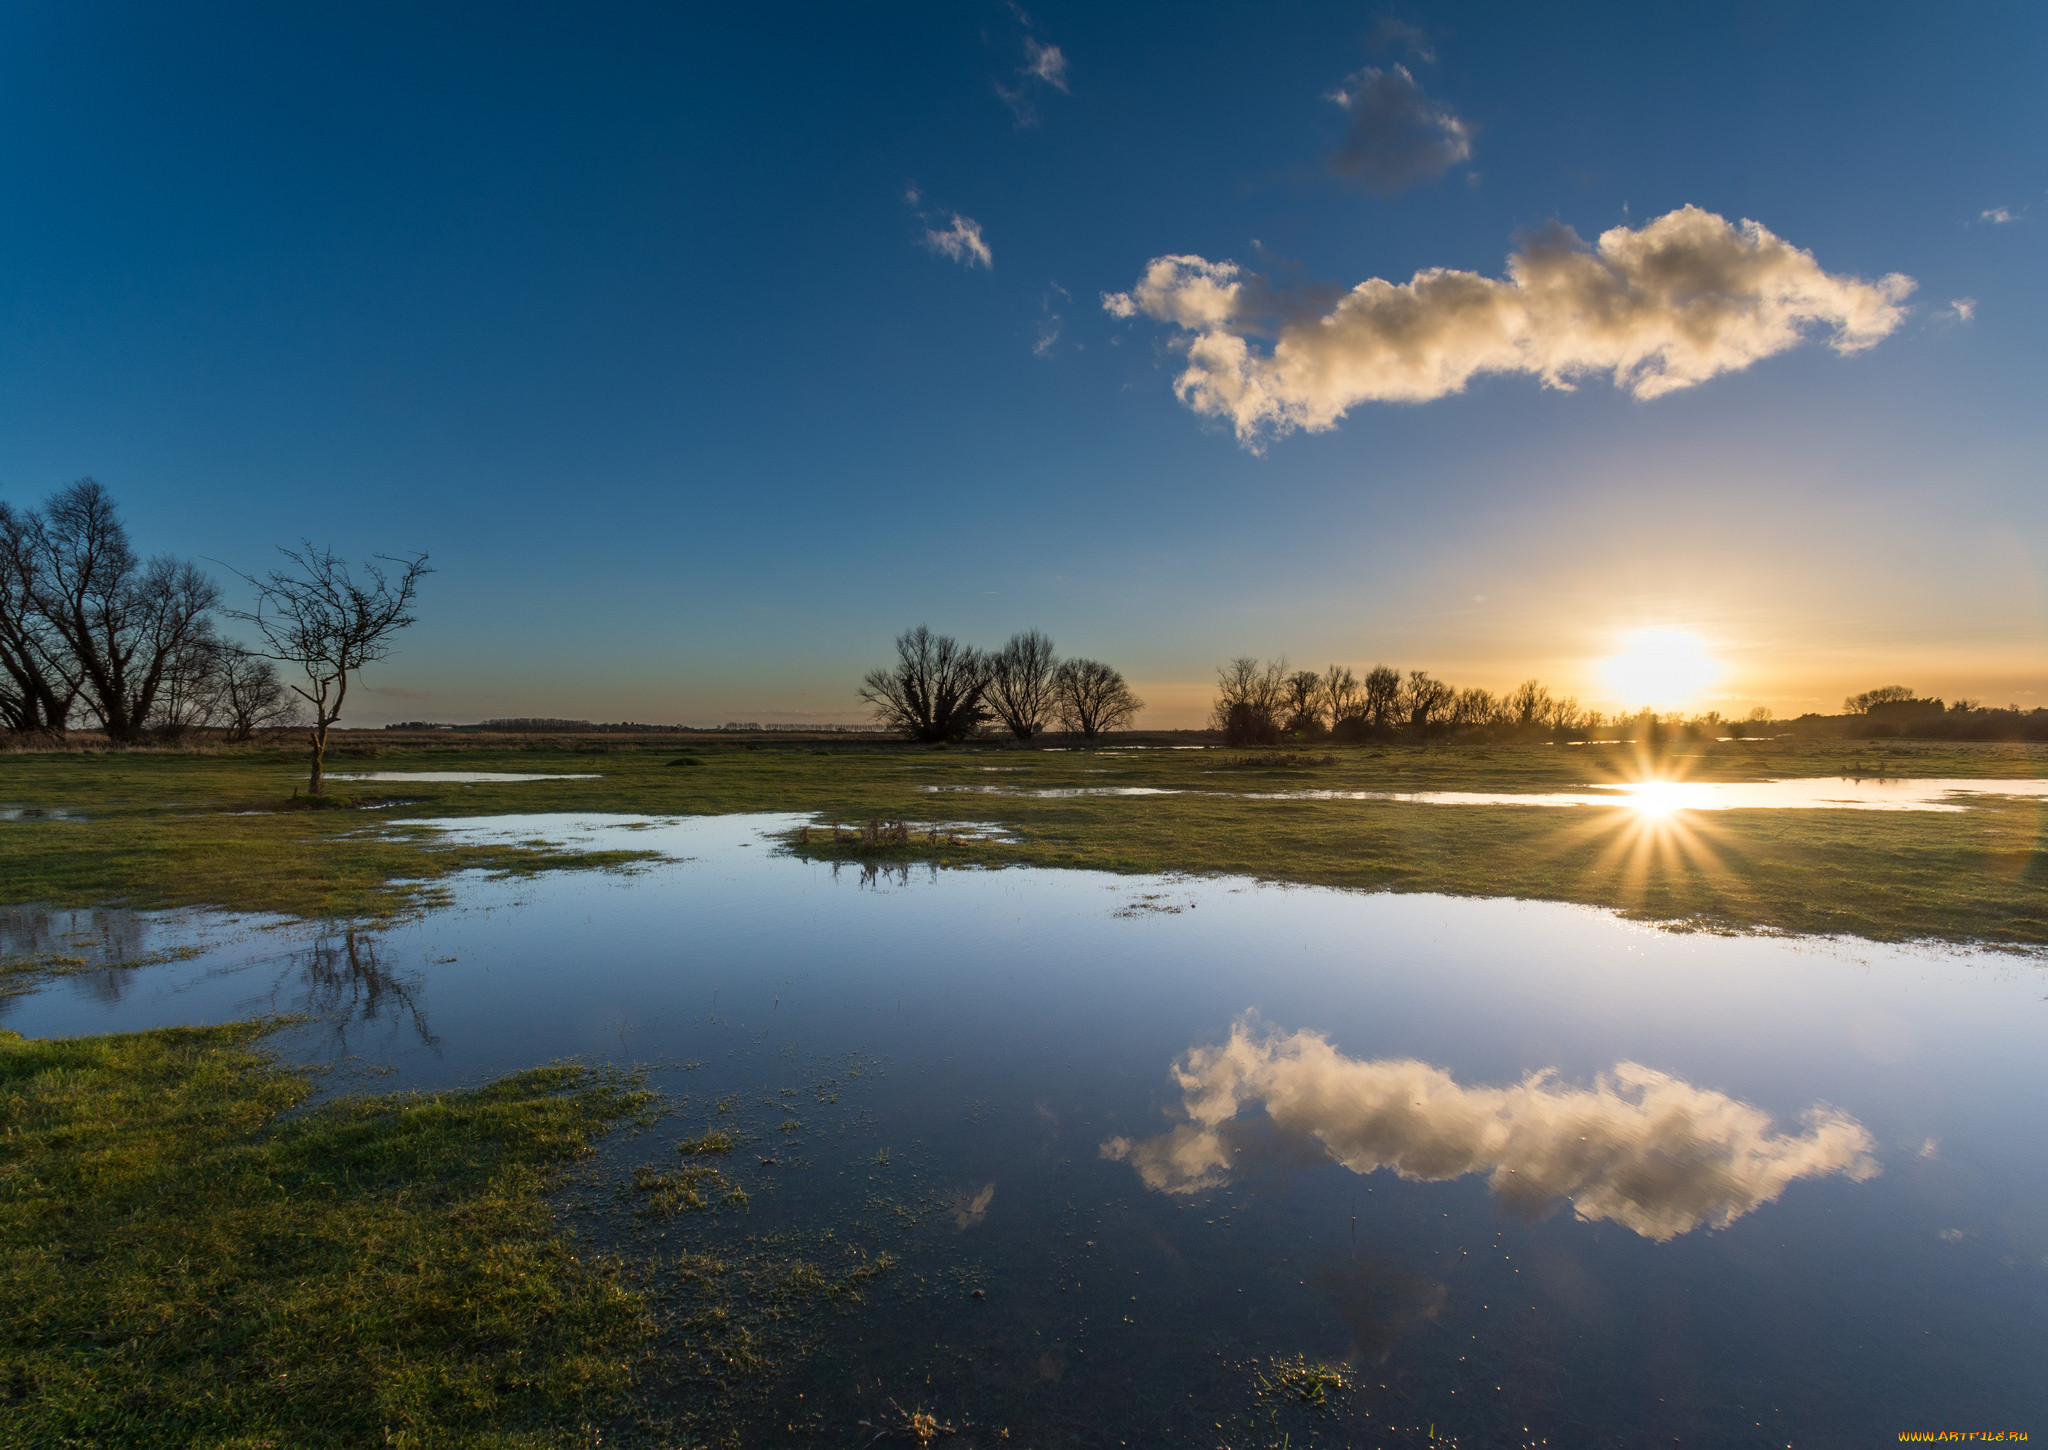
[317, 616]
[1343, 697]
[1092, 698]
[1249, 698]
[1303, 703]
[1529, 704]
[1428, 699]
[1383, 696]
[1020, 683]
[124, 623]
[934, 690]
[252, 697]
[191, 695]
[37, 685]
[1474, 707]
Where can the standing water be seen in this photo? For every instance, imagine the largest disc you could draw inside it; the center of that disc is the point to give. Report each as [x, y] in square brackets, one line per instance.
[1165, 1161]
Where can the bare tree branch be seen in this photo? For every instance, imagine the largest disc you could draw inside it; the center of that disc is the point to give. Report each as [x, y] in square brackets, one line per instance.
[1092, 698]
[934, 690]
[1020, 683]
[318, 616]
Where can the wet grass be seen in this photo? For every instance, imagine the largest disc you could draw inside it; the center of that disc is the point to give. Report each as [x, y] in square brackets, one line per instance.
[192, 1254]
[161, 829]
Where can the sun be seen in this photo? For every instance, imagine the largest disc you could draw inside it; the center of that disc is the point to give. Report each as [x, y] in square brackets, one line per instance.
[1661, 669]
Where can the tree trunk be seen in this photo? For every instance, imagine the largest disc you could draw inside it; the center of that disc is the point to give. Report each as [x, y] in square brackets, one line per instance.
[319, 754]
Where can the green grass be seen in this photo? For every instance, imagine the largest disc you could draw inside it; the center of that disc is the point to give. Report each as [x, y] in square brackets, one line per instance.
[160, 829]
[190, 1255]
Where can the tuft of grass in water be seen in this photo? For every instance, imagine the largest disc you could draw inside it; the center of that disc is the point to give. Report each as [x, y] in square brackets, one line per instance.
[191, 1254]
[691, 1189]
[1302, 1381]
[717, 1140]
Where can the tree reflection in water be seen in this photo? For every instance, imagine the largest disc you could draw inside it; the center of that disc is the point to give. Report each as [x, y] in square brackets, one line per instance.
[102, 943]
[345, 984]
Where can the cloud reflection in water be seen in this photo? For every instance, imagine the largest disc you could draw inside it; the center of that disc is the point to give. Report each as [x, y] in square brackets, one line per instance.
[1647, 1150]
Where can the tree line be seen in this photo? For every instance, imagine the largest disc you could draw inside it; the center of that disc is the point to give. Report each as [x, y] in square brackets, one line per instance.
[1263, 703]
[90, 631]
[938, 689]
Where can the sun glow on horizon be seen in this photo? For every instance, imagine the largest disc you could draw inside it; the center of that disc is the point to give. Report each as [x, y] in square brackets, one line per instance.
[1661, 669]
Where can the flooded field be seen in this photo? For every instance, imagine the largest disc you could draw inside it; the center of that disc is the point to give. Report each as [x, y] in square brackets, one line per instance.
[1658, 797]
[1164, 1161]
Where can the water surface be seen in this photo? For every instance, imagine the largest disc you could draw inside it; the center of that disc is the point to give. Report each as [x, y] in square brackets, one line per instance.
[1656, 797]
[1518, 1165]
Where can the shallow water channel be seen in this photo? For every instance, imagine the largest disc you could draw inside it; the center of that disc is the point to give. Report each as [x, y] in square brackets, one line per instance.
[1535, 1174]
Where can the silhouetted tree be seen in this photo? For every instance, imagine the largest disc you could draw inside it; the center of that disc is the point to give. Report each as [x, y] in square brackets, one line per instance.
[1304, 704]
[317, 616]
[1382, 696]
[124, 623]
[1528, 704]
[1092, 698]
[251, 696]
[37, 683]
[1249, 699]
[1474, 707]
[934, 690]
[1343, 698]
[1020, 683]
[1427, 699]
[1883, 695]
[190, 697]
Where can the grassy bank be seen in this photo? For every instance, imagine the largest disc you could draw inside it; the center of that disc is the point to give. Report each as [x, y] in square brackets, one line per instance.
[217, 829]
[187, 1260]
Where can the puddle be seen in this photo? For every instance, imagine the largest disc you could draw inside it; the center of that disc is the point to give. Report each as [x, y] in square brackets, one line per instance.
[38, 813]
[452, 777]
[1517, 1165]
[1651, 797]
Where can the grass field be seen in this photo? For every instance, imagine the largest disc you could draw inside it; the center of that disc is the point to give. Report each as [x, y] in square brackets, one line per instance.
[187, 1260]
[223, 829]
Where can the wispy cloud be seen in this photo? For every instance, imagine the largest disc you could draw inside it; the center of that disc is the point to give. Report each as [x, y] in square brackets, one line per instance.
[1044, 65]
[1046, 62]
[961, 241]
[1398, 136]
[1657, 308]
[1640, 1148]
[1997, 215]
[1049, 319]
[1960, 309]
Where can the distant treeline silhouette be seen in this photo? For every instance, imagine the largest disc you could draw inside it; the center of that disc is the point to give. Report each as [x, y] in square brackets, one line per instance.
[1266, 703]
[941, 690]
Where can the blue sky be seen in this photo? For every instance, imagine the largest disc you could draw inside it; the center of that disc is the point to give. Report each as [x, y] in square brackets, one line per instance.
[625, 314]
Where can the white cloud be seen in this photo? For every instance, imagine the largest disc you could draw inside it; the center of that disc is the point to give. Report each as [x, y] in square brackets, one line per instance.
[1640, 1147]
[962, 241]
[1997, 215]
[1657, 308]
[1047, 62]
[1962, 309]
[1398, 135]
